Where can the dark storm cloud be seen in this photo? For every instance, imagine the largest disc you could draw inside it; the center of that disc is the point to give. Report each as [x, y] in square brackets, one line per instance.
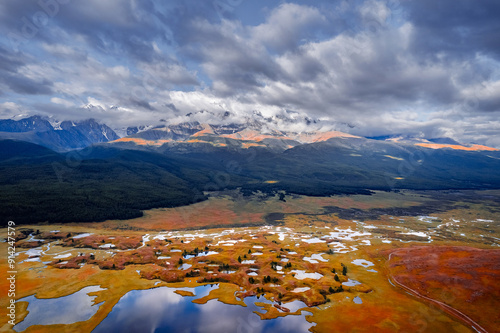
[288, 25]
[237, 58]
[114, 26]
[9, 61]
[109, 50]
[461, 28]
[360, 74]
[232, 62]
[490, 104]
[13, 78]
[24, 85]
[241, 58]
[142, 104]
[307, 68]
[179, 16]
[13, 14]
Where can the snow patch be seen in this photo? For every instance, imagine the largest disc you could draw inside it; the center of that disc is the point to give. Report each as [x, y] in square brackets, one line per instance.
[107, 246]
[300, 290]
[363, 262]
[82, 235]
[313, 240]
[315, 258]
[301, 275]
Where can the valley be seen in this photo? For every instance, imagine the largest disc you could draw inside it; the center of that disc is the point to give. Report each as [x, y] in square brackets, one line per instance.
[296, 264]
[233, 166]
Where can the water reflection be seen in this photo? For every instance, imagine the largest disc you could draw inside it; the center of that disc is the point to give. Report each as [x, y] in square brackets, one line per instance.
[63, 310]
[351, 283]
[161, 310]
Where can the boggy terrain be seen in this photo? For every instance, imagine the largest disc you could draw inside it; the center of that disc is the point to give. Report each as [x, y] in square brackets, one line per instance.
[382, 273]
[462, 281]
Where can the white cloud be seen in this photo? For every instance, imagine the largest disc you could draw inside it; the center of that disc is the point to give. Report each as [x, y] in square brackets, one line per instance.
[375, 12]
[61, 101]
[286, 26]
[13, 110]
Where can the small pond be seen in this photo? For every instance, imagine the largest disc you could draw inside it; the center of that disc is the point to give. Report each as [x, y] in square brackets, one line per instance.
[63, 310]
[161, 310]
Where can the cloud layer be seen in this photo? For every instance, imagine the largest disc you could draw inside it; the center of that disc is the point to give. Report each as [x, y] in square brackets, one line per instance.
[383, 67]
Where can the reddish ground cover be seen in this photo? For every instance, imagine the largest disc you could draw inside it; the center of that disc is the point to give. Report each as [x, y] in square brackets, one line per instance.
[462, 281]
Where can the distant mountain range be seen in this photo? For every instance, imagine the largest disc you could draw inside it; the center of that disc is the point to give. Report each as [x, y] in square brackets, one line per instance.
[234, 136]
[257, 134]
[59, 136]
[255, 131]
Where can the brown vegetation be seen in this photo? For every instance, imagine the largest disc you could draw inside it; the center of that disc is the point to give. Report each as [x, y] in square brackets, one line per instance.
[464, 278]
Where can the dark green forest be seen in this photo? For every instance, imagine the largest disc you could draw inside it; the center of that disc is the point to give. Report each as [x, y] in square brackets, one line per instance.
[104, 182]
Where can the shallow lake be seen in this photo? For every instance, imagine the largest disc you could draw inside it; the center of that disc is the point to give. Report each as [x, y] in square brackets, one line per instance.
[161, 310]
[63, 310]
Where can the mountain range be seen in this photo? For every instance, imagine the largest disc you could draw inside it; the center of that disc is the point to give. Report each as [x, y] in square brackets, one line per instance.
[42, 179]
[242, 136]
[59, 136]
[255, 131]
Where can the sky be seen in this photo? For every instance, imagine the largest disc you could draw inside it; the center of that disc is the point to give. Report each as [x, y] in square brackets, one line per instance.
[376, 67]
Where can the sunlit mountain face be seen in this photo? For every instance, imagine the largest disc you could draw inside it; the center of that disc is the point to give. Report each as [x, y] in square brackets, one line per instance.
[284, 131]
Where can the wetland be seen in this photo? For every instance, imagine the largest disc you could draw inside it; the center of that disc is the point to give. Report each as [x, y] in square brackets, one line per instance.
[311, 269]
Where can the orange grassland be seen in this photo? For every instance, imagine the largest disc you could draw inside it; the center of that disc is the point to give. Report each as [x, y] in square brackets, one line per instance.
[238, 211]
[464, 278]
[405, 270]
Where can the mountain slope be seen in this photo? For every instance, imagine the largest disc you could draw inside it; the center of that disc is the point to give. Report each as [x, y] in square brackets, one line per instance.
[14, 151]
[104, 184]
[35, 123]
[107, 182]
[67, 135]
